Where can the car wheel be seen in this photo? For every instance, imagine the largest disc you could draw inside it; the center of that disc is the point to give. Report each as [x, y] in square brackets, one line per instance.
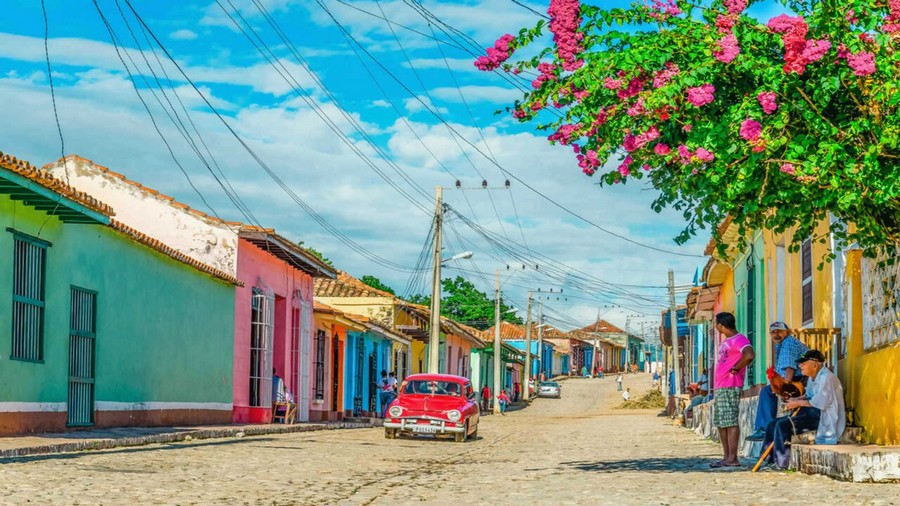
[460, 437]
[474, 434]
[390, 433]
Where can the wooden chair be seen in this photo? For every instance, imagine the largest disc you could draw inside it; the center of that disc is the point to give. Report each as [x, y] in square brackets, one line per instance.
[284, 412]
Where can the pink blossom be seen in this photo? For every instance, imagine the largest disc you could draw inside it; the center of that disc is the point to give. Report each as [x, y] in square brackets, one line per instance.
[637, 109]
[548, 73]
[663, 9]
[766, 99]
[663, 77]
[851, 17]
[495, 55]
[581, 94]
[576, 148]
[685, 154]
[643, 139]
[842, 52]
[728, 49]
[565, 20]
[519, 113]
[646, 167]
[634, 87]
[662, 149]
[537, 106]
[701, 95]
[629, 143]
[725, 23]
[788, 168]
[624, 168]
[687, 127]
[815, 50]
[735, 7]
[612, 84]
[704, 155]
[564, 134]
[892, 21]
[793, 30]
[759, 147]
[862, 63]
[750, 130]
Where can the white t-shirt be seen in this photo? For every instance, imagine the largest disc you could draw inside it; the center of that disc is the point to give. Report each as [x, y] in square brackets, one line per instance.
[626, 395]
[392, 383]
[827, 394]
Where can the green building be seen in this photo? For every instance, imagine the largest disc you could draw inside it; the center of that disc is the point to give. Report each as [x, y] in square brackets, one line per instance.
[101, 325]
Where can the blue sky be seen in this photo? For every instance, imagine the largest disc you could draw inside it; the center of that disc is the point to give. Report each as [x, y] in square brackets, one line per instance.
[102, 119]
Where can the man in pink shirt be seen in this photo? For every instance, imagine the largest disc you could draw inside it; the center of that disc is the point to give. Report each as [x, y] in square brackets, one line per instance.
[735, 353]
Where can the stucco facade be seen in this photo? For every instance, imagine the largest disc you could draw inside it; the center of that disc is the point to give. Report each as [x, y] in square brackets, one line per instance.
[153, 332]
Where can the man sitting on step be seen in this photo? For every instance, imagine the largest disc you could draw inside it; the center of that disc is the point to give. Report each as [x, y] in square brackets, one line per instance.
[822, 410]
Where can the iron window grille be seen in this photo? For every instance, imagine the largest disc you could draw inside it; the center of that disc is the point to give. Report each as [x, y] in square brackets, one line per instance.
[806, 284]
[320, 365]
[751, 313]
[335, 369]
[261, 344]
[29, 271]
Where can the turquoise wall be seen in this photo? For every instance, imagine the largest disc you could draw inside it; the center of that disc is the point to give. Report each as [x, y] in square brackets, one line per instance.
[165, 331]
[741, 274]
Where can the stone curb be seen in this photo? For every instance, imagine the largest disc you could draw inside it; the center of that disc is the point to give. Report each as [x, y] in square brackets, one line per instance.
[173, 437]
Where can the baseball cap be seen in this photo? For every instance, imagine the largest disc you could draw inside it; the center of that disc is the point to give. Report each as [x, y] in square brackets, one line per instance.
[811, 355]
[779, 326]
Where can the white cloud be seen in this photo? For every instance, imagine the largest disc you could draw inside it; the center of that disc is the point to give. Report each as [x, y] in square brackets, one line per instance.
[381, 103]
[183, 34]
[422, 104]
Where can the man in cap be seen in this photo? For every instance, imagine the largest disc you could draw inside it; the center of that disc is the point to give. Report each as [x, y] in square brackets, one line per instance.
[822, 410]
[787, 350]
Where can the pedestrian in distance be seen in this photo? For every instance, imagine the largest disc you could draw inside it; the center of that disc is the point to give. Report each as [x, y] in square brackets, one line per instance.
[735, 354]
[385, 392]
[600, 372]
[619, 382]
[485, 397]
[626, 395]
[655, 379]
[788, 349]
[503, 399]
[584, 371]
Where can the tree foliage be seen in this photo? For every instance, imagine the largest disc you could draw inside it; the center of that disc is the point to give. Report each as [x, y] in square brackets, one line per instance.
[464, 303]
[376, 283]
[318, 254]
[775, 123]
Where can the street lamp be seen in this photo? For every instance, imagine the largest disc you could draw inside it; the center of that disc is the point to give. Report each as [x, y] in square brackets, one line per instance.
[434, 334]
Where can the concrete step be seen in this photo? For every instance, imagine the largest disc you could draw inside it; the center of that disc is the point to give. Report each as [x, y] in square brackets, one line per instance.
[856, 463]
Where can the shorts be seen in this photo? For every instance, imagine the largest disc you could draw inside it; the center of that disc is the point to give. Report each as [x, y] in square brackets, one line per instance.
[726, 407]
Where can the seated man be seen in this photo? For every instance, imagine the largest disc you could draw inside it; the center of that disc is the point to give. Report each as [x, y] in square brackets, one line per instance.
[822, 410]
[787, 350]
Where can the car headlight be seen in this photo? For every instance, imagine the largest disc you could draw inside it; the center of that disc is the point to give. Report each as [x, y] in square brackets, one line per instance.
[395, 411]
[454, 415]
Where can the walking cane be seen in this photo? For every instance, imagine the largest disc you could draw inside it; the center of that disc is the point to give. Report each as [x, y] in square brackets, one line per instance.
[768, 449]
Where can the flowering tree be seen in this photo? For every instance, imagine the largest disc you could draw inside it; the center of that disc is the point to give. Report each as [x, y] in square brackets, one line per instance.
[774, 124]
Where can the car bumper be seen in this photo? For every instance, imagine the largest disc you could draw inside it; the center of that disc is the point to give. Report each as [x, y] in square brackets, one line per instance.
[417, 428]
[551, 393]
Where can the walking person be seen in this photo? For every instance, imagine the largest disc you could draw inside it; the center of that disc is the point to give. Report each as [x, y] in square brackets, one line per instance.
[735, 353]
[485, 398]
[619, 382]
[503, 399]
[385, 392]
[788, 349]
[655, 379]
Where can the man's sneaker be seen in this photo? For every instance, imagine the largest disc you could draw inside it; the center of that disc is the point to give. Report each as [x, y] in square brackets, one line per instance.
[756, 436]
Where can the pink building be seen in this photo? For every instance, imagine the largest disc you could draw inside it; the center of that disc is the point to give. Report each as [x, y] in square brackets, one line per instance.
[273, 313]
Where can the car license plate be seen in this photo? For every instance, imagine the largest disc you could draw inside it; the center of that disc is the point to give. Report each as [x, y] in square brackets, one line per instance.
[425, 429]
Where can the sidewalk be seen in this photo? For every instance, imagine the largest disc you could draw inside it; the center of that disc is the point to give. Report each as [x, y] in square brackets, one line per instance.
[102, 439]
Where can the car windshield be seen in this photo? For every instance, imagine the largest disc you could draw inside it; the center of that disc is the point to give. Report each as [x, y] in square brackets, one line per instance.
[549, 384]
[432, 387]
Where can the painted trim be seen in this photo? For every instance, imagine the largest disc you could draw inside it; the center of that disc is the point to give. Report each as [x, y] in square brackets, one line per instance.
[32, 407]
[153, 405]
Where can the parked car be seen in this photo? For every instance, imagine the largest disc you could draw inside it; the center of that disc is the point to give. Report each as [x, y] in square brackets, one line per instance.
[435, 404]
[550, 389]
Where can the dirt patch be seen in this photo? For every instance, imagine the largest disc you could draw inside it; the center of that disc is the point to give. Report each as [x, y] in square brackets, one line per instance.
[650, 400]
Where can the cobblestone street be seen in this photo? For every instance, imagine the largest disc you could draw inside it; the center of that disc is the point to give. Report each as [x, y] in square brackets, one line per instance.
[577, 450]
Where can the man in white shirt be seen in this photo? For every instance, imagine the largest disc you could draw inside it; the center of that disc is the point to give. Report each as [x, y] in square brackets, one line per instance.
[822, 410]
[626, 394]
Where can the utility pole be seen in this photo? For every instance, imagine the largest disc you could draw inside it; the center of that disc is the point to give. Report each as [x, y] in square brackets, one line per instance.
[644, 338]
[540, 345]
[673, 321]
[525, 393]
[434, 338]
[497, 347]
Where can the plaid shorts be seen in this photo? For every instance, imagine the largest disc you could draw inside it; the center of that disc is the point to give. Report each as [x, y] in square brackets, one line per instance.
[726, 407]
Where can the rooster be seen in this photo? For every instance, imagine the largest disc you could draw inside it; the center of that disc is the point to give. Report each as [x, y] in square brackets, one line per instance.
[782, 387]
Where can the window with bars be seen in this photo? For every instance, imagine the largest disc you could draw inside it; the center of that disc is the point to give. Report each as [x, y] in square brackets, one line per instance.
[295, 350]
[806, 284]
[261, 347]
[320, 365]
[29, 269]
[751, 314]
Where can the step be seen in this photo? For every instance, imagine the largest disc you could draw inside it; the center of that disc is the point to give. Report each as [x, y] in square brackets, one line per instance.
[853, 462]
[851, 435]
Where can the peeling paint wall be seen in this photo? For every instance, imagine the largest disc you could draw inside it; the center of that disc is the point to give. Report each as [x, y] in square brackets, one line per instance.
[203, 238]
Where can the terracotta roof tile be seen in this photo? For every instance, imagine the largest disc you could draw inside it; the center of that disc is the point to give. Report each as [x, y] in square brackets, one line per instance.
[602, 326]
[346, 285]
[47, 180]
[171, 252]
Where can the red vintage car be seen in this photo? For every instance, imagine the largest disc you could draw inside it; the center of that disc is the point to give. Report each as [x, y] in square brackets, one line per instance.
[436, 404]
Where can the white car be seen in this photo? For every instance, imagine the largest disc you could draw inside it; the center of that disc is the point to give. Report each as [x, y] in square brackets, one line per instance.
[550, 389]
